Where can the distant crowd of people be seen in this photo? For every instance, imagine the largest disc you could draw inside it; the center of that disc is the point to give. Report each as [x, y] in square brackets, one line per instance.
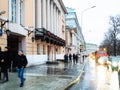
[6, 60]
[72, 58]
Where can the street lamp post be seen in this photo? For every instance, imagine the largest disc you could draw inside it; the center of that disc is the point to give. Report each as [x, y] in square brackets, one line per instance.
[82, 13]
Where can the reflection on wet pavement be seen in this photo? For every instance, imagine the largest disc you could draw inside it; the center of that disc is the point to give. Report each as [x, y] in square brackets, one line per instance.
[97, 77]
[89, 77]
[60, 69]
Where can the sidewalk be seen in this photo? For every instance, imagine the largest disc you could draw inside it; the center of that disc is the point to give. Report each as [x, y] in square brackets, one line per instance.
[46, 77]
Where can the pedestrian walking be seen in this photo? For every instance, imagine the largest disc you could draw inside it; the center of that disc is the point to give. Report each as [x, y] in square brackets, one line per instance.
[66, 58]
[74, 58]
[70, 57]
[5, 63]
[21, 62]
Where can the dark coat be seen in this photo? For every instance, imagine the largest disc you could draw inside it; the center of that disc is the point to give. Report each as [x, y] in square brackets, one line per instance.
[66, 57]
[1, 57]
[74, 56]
[21, 61]
[70, 56]
[7, 60]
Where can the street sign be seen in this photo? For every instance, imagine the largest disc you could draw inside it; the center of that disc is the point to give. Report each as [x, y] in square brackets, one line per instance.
[81, 48]
[0, 32]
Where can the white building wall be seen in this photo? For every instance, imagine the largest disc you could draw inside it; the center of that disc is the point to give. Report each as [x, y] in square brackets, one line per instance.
[36, 59]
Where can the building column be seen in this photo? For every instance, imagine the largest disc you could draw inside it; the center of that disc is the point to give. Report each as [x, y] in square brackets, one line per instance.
[38, 13]
[48, 15]
[57, 21]
[44, 13]
[33, 9]
[73, 38]
[54, 19]
[51, 12]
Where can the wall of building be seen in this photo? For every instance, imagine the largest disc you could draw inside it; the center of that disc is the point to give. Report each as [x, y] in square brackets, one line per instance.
[28, 12]
[29, 23]
[3, 7]
[3, 41]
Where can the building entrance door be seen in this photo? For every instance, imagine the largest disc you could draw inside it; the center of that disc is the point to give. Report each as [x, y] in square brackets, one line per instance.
[13, 43]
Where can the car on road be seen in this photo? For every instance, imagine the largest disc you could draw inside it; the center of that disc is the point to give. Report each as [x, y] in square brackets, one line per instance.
[103, 60]
[101, 56]
[115, 60]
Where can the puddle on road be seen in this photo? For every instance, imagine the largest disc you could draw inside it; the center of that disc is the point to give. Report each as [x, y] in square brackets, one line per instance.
[66, 77]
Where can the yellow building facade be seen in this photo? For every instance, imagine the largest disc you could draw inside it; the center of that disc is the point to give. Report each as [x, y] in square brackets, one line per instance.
[34, 26]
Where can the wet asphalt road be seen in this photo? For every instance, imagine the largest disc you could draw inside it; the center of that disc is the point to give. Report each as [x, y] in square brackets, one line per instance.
[96, 77]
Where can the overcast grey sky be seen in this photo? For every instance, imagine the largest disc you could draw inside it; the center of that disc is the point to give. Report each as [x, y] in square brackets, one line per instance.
[95, 21]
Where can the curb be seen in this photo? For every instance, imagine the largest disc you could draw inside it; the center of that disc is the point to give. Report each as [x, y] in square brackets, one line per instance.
[76, 79]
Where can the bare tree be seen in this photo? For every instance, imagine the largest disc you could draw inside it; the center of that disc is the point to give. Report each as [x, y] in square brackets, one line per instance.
[111, 40]
[108, 42]
[115, 29]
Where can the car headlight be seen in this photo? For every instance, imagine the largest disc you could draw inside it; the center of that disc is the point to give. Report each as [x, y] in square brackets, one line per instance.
[114, 64]
[100, 61]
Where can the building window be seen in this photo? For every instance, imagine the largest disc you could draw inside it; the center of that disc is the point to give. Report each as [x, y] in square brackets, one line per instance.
[12, 10]
[43, 49]
[38, 48]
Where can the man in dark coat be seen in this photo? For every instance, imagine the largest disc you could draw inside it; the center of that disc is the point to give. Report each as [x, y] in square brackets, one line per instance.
[70, 57]
[66, 58]
[5, 63]
[74, 58]
[1, 56]
[21, 62]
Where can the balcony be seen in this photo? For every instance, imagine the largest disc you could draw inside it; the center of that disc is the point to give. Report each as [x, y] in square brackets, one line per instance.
[45, 35]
